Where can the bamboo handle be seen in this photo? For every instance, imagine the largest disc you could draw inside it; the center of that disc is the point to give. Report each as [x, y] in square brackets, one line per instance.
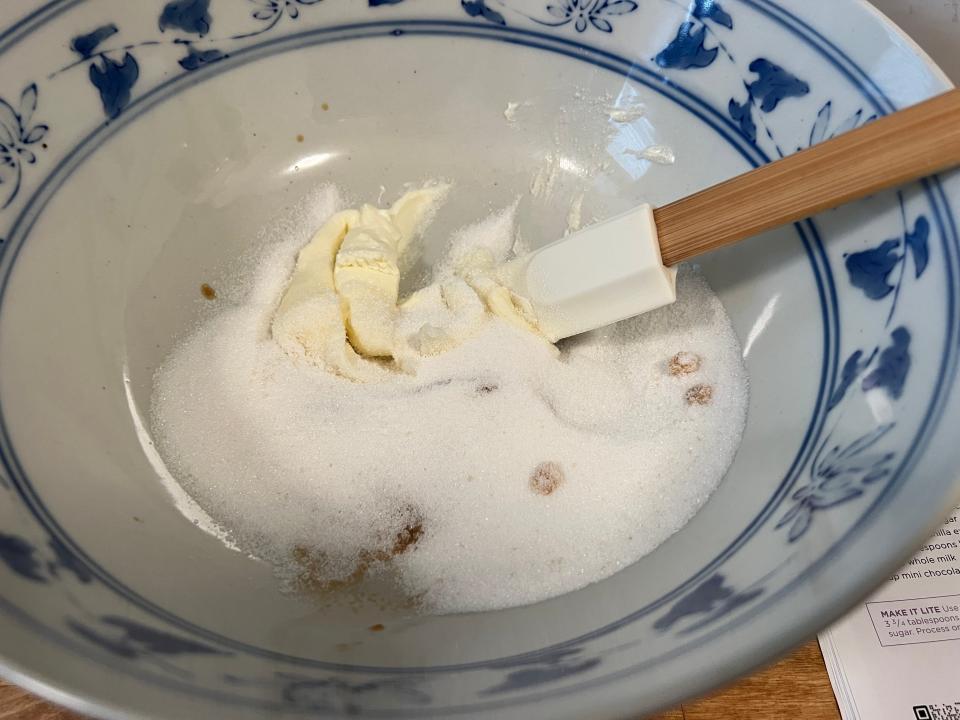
[895, 149]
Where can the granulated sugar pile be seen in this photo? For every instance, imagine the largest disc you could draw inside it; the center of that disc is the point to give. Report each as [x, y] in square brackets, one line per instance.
[500, 474]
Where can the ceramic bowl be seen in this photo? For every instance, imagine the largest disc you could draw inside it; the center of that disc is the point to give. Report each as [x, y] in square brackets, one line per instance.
[144, 144]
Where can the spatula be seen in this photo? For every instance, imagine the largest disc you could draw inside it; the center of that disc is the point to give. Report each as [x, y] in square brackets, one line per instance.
[626, 266]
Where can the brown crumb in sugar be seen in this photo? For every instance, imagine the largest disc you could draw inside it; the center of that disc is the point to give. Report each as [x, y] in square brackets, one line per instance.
[487, 388]
[314, 572]
[699, 395]
[407, 538]
[208, 292]
[684, 363]
[546, 477]
[300, 138]
[379, 627]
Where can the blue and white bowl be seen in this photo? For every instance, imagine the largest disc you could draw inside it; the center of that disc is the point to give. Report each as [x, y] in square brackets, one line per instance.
[143, 143]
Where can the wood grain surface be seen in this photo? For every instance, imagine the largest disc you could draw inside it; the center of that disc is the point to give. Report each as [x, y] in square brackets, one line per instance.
[895, 149]
[796, 688]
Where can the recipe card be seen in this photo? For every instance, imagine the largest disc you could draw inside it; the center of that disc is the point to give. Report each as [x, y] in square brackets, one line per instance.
[897, 655]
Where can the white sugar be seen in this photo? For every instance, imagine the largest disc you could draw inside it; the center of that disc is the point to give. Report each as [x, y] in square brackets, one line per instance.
[660, 154]
[524, 475]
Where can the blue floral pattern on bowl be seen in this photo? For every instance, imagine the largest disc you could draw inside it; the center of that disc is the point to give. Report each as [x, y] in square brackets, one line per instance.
[18, 133]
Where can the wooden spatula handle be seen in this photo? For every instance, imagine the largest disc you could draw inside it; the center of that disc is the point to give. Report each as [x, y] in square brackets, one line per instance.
[895, 149]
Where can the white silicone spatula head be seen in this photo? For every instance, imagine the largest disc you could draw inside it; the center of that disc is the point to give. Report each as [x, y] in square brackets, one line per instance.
[605, 273]
[625, 266]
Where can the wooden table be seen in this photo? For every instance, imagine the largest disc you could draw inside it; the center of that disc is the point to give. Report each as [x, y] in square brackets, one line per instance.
[796, 688]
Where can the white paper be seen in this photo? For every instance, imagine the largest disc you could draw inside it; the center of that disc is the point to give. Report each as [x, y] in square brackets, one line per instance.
[897, 655]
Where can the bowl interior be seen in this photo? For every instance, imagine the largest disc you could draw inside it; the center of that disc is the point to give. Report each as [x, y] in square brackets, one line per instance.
[217, 172]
